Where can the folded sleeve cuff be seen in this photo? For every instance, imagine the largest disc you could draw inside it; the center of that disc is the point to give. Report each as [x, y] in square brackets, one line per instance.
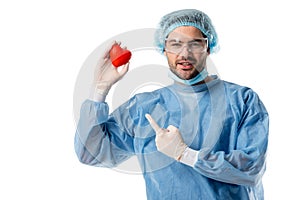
[189, 157]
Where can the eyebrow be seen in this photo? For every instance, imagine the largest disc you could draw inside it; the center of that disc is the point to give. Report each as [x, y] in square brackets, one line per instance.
[193, 40]
[174, 40]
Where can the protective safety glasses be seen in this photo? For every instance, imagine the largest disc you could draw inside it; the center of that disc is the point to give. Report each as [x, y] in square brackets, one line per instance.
[176, 45]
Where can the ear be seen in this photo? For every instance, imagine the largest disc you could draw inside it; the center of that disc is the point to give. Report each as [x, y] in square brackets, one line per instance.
[165, 53]
[208, 52]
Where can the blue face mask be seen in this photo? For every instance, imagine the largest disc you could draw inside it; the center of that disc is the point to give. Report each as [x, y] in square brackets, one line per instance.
[200, 77]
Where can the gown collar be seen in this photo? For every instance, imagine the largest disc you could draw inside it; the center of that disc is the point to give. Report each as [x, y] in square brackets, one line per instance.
[196, 88]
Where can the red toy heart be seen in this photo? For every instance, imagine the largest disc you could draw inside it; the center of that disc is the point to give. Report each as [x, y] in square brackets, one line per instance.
[119, 56]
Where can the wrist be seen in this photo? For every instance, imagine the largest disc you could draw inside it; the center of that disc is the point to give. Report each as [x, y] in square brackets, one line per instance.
[102, 88]
[189, 157]
[99, 91]
[97, 97]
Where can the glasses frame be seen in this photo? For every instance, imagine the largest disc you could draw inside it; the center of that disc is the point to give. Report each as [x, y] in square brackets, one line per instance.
[186, 44]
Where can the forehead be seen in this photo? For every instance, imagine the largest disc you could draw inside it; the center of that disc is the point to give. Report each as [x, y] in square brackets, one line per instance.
[186, 32]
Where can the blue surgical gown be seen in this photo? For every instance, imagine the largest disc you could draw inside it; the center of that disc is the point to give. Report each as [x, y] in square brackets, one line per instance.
[227, 123]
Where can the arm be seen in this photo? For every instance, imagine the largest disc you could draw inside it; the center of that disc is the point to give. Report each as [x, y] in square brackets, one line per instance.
[99, 139]
[244, 165]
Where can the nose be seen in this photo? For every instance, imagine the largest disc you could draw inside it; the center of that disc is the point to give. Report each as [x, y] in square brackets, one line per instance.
[184, 52]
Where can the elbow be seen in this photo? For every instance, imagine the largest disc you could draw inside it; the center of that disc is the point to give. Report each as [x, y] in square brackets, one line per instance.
[84, 157]
[248, 180]
[253, 181]
[255, 176]
[87, 159]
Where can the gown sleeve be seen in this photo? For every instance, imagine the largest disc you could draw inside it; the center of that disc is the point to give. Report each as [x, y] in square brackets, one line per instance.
[245, 163]
[99, 139]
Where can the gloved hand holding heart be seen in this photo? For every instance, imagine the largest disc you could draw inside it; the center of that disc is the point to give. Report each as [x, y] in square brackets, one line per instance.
[119, 56]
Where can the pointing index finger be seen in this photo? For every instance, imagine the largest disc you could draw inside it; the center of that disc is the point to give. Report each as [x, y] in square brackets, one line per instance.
[153, 123]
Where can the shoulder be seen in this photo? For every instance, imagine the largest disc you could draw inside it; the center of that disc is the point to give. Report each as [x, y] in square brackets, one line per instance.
[154, 95]
[140, 104]
[239, 91]
[243, 96]
[146, 100]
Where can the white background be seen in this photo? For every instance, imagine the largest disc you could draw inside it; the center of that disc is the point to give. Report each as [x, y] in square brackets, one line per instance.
[43, 45]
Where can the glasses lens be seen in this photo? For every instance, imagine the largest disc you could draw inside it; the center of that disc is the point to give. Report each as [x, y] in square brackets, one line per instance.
[196, 46]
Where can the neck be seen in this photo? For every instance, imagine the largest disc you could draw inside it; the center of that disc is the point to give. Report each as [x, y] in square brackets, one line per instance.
[202, 77]
[206, 80]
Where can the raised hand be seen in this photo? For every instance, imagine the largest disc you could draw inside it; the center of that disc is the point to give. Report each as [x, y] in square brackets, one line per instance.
[106, 75]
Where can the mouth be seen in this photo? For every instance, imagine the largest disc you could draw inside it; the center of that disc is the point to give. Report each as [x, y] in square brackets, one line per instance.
[185, 65]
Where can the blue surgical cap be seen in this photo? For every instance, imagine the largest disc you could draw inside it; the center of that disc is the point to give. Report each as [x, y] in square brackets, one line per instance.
[186, 17]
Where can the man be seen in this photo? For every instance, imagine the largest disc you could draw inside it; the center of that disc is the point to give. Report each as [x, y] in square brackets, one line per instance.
[199, 138]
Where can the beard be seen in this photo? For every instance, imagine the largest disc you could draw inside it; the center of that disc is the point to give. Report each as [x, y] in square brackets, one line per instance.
[186, 73]
[192, 75]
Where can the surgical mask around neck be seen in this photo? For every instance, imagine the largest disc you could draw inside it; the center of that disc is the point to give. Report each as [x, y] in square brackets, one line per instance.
[200, 77]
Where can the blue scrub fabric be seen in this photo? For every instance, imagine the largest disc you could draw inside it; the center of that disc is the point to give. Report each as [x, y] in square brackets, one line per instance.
[227, 123]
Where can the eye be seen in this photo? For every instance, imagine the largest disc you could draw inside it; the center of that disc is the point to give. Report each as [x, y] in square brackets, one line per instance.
[195, 44]
[175, 44]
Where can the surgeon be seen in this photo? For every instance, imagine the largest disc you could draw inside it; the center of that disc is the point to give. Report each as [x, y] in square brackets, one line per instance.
[198, 138]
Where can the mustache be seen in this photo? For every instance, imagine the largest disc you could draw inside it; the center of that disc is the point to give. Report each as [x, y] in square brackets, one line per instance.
[192, 61]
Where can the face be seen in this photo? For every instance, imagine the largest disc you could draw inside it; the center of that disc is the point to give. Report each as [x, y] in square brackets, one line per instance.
[188, 61]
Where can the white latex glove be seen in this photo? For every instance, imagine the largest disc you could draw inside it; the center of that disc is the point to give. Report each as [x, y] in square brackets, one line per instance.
[168, 141]
[105, 76]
